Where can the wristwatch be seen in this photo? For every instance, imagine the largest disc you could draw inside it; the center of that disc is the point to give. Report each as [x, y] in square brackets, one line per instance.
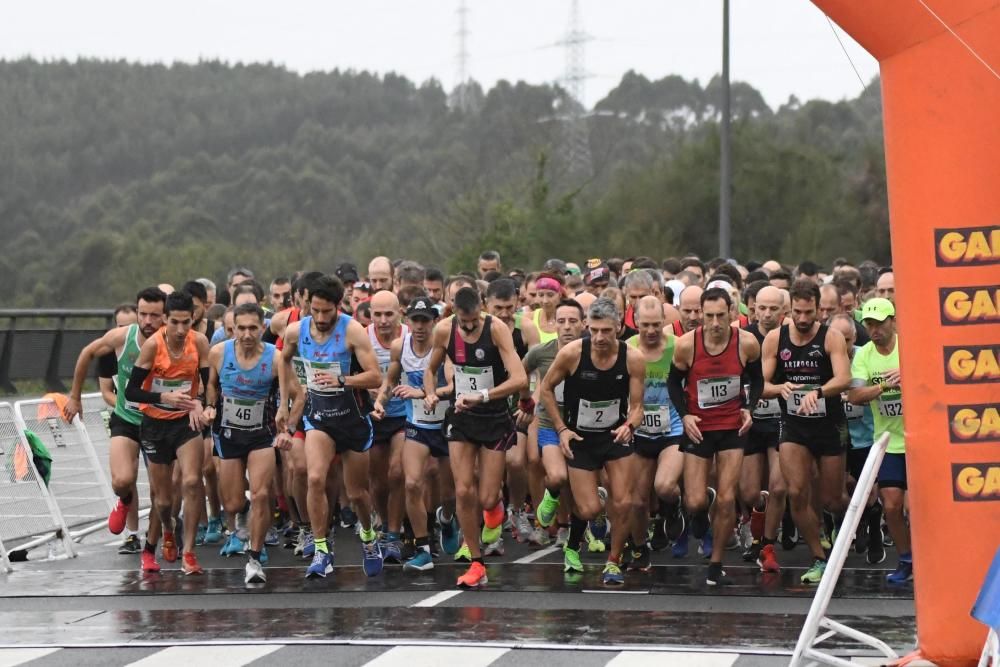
[291, 431]
[486, 395]
[340, 380]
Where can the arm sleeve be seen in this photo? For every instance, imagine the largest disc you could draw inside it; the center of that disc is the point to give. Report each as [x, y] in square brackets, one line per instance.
[753, 375]
[134, 391]
[203, 375]
[107, 365]
[675, 388]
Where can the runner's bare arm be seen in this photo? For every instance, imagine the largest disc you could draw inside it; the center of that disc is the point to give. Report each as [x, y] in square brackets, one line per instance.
[836, 347]
[107, 344]
[439, 352]
[517, 379]
[358, 342]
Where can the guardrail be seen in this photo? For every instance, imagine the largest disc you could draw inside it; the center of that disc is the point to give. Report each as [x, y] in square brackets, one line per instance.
[45, 352]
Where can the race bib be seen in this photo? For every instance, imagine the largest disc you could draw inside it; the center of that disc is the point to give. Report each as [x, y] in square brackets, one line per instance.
[163, 385]
[767, 408]
[853, 412]
[655, 420]
[713, 392]
[890, 404]
[559, 390]
[422, 416]
[243, 414]
[306, 369]
[597, 415]
[799, 396]
[472, 379]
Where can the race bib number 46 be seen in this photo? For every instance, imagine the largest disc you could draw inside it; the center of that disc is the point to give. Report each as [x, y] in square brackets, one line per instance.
[244, 414]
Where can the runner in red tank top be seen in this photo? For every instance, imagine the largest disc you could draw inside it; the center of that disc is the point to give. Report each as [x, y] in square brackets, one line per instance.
[711, 364]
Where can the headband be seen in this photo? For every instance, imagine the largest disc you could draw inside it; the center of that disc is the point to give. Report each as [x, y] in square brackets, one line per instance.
[549, 284]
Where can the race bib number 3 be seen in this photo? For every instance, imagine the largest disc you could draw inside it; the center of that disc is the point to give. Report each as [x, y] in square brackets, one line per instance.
[244, 414]
[798, 397]
[422, 416]
[713, 392]
[470, 379]
[597, 415]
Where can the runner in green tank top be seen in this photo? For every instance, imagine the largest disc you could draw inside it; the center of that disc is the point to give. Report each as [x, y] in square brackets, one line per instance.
[124, 343]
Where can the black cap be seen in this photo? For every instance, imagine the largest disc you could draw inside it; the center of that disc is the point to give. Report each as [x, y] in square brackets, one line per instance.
[347, 272]
[555, 266]
[422, 307]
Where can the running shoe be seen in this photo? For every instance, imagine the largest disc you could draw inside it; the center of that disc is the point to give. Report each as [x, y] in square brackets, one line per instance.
[421, 561]
[562, 536]
[522, 525]
[705, 546]
[640, 559]
[815, 573]
[348, 519]
[612, 575]
[508, 521]
[272, 538]
[321, 565]
[681, 545]
[116, 520]
[824, 541]
[308, 545]
[547, 510]
[300, 542]
[489, 516]
[494, 548]
[594, 545]
[876, 546]
[768, 560]
[391, 548]
[463, 555]
[474, 577]
[213, 532]
[716, 575]
[263, 556]
[190, 564]
[902, 574]
[199, 536]
[371, 558]
[450, 533]
[571, 560]
[233, 546]
[147, 562]
[169, 548]
[743, 535]
[658, 540]
[752, 553]
[539, 537]
[789, 533]
[130, 546]
[254, 573]
[675, 524]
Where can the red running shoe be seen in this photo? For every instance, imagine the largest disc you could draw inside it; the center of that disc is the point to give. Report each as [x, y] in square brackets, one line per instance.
[190, 564]
[169, 548]
[474, 577]
[768, 561]
[148, 562]
[116, 520]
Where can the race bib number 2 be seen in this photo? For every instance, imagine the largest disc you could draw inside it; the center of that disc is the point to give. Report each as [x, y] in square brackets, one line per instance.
[597, 415]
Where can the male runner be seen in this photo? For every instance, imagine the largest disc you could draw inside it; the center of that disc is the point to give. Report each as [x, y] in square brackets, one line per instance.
[710, 368]
[242, 378]
[479, 425]
[165, 381]
[380, 274]
[876, 379]
[123, 456]
[389, 420]
[424, 439]
[603, 407]
[329, 354]
[806, 365]
[690, 308]
[659, 462]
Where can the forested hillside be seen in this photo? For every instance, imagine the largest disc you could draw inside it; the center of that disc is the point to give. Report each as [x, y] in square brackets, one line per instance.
[116, 175]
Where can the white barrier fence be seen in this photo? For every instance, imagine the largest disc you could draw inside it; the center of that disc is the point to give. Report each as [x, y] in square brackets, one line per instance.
[30, 515]
[806, 651]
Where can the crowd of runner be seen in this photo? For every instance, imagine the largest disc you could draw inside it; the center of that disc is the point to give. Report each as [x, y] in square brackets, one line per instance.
[621, 406]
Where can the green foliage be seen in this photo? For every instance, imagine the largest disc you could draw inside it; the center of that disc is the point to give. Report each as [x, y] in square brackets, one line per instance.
[119, 175]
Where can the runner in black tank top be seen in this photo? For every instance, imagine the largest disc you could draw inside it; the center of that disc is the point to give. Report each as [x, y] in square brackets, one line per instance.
[807, 368]
[603, 391]
[478, 427]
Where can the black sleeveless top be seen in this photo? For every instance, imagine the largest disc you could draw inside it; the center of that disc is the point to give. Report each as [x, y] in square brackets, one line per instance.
[590, 393]
[478, 366]
[810, 366]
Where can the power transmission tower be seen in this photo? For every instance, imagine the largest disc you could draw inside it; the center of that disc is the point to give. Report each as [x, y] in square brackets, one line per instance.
[577, 138]
[462, 59]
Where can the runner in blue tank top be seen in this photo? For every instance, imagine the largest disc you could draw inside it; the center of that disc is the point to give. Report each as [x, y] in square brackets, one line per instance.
[242, 378]
[329, 355]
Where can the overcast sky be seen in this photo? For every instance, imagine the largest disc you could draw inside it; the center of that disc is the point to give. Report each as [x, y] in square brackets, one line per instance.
[781, 47]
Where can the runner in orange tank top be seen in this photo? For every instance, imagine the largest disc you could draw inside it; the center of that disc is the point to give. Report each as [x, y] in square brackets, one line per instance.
[172, 365]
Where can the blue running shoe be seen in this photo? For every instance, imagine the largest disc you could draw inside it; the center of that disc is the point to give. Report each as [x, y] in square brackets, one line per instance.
[680, 548]
[199, 537]
[613, 574]
[308, 546]
[705, 548]
[321, 565]
[232, 546]
[263, 556]
[451, 536]
[372, 558]
[273, 537]
[902, 574]
[421, 561]
[392, 548]
[213, 533]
